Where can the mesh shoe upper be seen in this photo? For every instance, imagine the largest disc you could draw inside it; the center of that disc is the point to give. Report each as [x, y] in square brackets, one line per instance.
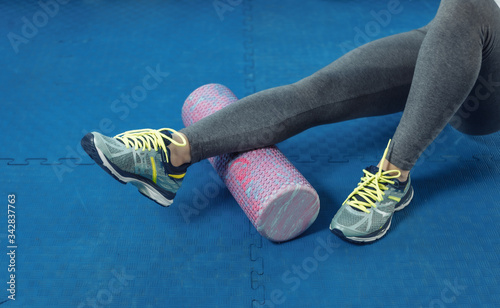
[367, 212]
[148, 162]
[355, 222]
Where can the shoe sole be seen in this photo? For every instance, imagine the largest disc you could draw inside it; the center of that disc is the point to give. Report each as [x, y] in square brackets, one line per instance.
[147, 189]
[368, 239]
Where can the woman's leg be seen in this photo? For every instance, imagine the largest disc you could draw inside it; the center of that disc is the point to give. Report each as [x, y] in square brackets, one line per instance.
[461, 41]
[372, 80]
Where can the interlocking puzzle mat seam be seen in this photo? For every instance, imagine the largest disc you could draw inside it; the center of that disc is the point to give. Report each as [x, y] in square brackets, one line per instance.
[45, 161]
[301, 159]
[257, 270]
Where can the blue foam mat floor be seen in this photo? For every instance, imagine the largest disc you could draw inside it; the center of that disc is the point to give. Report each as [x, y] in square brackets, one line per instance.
[84, 240]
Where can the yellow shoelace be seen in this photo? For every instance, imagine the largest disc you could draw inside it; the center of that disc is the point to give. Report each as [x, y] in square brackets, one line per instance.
[371, 188]
[148, 139]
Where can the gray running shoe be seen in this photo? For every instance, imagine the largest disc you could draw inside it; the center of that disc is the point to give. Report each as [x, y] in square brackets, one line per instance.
[140, 157]
[366, 214]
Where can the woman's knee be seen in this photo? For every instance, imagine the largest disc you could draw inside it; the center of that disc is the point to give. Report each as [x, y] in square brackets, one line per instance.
[455, 7]
[464, 13]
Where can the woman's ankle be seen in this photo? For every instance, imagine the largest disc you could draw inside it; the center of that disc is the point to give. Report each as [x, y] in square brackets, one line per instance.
[388, 166]
[180, 155]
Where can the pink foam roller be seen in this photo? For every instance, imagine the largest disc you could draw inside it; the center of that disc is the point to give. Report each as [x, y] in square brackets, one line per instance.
[277, 199]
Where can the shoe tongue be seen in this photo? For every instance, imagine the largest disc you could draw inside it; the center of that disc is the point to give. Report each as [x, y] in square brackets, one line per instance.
[168, 134]
[372, 169]
[168, 166]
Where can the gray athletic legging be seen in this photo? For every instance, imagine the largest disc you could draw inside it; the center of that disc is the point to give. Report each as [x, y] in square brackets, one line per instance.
[446, 72]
